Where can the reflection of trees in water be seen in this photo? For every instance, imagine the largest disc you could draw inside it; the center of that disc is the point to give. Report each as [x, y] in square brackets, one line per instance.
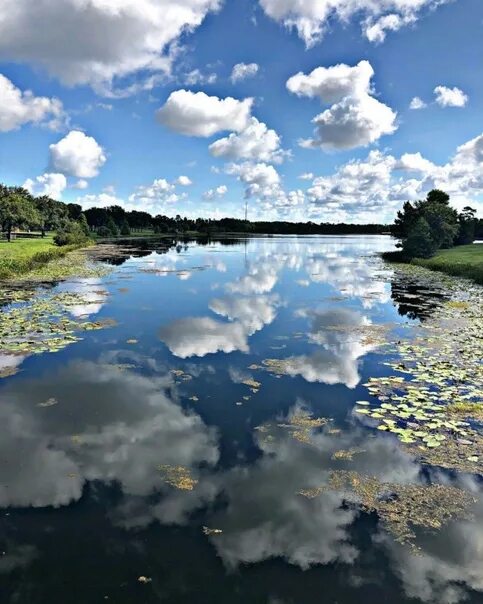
[140, 248]
[415, 300]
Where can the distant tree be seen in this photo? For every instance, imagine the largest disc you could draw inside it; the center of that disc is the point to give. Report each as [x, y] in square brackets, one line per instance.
[113, 228]
[74, 211]
[468, 224]
[419, 243]
[96, 217]
[82, 220]
[16, 211]
[125, 230]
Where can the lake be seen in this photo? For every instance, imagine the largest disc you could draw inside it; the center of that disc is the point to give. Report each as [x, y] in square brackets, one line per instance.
[224, 422]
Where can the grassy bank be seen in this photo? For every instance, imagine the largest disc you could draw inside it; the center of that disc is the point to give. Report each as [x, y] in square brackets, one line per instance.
[462, 261]
[25, 255]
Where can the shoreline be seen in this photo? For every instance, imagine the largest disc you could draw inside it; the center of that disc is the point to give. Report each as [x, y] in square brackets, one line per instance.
[461, 261]
[14, 266]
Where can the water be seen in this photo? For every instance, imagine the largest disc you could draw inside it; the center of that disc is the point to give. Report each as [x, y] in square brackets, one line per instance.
[99, 437]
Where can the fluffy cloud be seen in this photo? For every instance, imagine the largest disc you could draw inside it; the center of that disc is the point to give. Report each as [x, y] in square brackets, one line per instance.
[260, 179]
[97, 41]
[450, 97]
[184, 181]
[197, 77]
[77, 155]
[51, 184]
[218, 192]
[372, 189]
[102, 200]
[155, 197]
[311, 18]
[417, 103]
[331, 84]
[197, 114]
[242, 71]
[18, 108]
[355, 118]
[256, 142]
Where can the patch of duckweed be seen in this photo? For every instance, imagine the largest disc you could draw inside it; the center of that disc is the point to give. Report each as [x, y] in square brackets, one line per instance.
[211, 531]
[44, 324]
[179, 374]
[301, 425]
[346, 454]
[402, 507]
[178, 477]
[252, 384]
[436, 409]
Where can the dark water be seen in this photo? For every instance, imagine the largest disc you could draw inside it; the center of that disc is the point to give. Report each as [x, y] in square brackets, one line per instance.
[86, 502]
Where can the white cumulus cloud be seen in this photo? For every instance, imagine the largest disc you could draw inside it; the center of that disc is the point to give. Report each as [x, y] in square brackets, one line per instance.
[51, 184]
[355, 118]
[311, 18]
[256, 142]
[450, 97]
[197, 114]
[19, 107]
[95, 42]
[77, 155]
[184, 181]
[215, 193]
[417, 103]
[242, 71]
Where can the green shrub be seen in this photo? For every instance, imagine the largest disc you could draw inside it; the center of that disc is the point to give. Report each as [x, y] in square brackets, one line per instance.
[72, 233]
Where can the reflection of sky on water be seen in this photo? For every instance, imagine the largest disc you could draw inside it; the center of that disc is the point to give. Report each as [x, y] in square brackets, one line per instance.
[119, 412]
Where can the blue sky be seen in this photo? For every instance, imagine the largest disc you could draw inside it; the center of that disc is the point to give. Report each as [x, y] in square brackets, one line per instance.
[127, 96]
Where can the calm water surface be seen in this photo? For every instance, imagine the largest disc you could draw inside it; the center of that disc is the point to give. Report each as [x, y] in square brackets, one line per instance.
[156, 461]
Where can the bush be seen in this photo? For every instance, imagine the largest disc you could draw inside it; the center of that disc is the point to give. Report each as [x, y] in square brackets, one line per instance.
[72, 233]
[419, 243]
[103, 231]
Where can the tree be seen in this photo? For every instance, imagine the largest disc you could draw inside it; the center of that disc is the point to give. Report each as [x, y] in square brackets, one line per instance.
[405, 221]
[125, 230]
[113, 228]
[443, 221]
[468, 223]
[51, 213]
[16, 211]
[441, 217]
[82, 220]
[419, 243]
[437, 196]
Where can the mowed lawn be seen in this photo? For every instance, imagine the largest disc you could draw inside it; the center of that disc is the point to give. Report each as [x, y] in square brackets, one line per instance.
[463, 261]
[21, 255]
[24, 248]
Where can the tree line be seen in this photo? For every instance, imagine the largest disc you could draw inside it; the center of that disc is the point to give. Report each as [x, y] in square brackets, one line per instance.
[19, 209]
[432, 224]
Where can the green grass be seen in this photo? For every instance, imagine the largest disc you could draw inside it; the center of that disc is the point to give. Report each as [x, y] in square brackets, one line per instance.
[462, 261]
[23, 255]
